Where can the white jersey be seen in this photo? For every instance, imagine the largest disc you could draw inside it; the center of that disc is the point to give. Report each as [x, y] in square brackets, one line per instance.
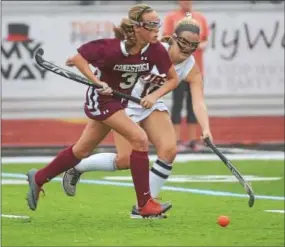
[134, 109]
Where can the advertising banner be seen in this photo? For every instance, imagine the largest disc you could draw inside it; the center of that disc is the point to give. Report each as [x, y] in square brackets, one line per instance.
[244, 58]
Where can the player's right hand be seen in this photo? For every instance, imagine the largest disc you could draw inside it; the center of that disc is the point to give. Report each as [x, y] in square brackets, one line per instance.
[69, 62]
[105, 90]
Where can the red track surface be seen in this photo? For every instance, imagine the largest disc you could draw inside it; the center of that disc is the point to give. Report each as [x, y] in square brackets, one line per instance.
[49, 132]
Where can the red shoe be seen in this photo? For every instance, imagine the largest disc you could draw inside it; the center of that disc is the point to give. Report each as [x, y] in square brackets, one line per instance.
[154, 208]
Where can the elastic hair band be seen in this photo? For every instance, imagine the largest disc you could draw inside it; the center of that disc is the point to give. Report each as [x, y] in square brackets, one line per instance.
[144, 10]
[187, 27]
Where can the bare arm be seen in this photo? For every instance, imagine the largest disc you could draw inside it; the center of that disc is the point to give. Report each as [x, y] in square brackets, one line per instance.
[169, 85]
[83, 66]
[195, 81]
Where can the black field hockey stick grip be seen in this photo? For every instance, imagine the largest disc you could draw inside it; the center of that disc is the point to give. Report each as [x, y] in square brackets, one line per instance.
[233, 169]
[75, 77]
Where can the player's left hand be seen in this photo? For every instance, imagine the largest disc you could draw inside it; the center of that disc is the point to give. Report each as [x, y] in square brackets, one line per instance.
[205, 134]
[148, 101]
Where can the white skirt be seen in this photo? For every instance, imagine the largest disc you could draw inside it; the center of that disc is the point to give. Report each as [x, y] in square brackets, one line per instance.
[137, 114]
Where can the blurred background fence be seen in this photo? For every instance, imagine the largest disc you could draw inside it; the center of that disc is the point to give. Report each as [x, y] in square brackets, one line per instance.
[244, 68]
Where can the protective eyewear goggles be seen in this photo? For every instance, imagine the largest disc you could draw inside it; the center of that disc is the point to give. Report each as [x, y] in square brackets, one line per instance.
[186, 47]
[149, 25]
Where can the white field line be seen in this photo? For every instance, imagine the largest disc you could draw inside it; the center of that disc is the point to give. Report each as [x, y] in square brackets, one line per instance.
[179, 158]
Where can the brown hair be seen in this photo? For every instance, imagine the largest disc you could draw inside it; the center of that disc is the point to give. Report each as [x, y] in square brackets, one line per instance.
[125, 31]
[187, 20]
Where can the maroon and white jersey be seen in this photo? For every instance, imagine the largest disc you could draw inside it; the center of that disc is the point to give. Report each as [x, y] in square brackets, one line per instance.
[119, 70]
[145, 87]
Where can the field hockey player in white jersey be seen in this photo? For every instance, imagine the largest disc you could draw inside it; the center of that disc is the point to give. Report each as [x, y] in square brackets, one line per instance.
[155, 121]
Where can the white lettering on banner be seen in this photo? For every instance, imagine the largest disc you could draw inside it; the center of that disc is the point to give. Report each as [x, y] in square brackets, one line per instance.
[245, 54]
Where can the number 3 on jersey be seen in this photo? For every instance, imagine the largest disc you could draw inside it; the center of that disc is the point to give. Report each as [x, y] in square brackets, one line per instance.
[129, 80]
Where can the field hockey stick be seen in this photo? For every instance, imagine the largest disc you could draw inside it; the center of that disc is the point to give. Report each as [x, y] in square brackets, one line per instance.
[75, 77]
[234, 170]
